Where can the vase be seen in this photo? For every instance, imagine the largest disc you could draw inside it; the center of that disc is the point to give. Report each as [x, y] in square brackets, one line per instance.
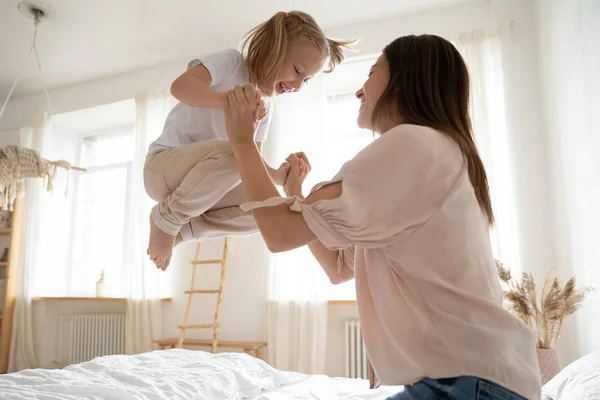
[100, 286]
[548, 360]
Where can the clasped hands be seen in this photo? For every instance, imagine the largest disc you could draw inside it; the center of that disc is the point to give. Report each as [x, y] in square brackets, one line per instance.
[244, 109]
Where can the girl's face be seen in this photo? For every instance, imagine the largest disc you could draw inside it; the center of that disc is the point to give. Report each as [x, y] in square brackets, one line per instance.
[369, 94]
[303, 60]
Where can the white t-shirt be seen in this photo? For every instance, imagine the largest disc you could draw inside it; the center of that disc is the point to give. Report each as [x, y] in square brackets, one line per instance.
[185, 124]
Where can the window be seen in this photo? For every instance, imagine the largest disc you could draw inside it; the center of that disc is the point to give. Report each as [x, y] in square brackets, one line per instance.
[101, 207]
[343, 134]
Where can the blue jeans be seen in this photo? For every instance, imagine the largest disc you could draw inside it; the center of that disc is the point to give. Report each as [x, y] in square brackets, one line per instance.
[462, 387]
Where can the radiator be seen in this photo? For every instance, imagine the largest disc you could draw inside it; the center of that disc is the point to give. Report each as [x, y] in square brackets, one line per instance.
[356, 352]
[82, 337]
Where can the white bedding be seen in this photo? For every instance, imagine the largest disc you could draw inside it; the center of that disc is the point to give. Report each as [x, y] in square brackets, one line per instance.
[320, 387]
[180, 374]
[580, 380]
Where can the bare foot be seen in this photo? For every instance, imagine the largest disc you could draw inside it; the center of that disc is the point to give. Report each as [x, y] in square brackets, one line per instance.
[160, 248]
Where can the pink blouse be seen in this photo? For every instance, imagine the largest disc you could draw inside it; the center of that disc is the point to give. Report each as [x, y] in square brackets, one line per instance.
[429, 298]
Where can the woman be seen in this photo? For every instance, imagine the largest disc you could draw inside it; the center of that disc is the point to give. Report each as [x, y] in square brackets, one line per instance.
[409, 219]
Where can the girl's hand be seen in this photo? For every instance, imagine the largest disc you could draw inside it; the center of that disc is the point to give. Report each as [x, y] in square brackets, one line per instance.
[299, 169]
[241, 107]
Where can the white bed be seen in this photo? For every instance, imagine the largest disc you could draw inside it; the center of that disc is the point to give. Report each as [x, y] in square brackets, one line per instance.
[580, 380]
[181, 374]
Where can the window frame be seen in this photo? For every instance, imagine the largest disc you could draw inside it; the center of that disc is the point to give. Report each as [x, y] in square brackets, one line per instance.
[119, 131]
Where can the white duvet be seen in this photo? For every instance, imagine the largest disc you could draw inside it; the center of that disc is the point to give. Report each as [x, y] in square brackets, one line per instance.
[180, 374]
[580, 380]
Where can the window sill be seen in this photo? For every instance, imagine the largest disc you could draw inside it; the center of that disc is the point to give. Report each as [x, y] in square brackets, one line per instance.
[102, 299]
[341, 302]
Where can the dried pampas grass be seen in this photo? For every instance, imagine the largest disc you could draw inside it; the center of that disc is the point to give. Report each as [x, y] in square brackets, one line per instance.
[547, 315]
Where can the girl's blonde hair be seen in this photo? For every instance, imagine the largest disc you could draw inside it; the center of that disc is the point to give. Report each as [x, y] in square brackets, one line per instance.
[265, 45]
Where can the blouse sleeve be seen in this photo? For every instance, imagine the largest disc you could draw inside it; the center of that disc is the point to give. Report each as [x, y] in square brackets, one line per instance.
[389, 190]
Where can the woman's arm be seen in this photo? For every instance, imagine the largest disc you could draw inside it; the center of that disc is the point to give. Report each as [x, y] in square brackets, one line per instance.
[281, 228]
[279, 175]
[328, 259]
[192, 88]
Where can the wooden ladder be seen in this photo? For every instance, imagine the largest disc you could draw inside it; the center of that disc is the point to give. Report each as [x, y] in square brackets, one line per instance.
[219, 292]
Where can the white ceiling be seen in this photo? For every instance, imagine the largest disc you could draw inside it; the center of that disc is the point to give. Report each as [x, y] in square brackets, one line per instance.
[90, 39]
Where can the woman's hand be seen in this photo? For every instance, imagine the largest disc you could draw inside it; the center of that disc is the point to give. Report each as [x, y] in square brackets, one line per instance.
[261, 109]
[243, 106]
[299, 169]
[279, 175]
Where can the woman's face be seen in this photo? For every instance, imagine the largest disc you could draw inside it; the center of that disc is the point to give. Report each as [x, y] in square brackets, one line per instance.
[369, 94]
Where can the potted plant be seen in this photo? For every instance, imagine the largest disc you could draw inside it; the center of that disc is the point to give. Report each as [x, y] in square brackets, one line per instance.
[545, 316]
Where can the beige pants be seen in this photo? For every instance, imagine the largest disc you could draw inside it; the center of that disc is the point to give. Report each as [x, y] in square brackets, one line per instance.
[198, 189]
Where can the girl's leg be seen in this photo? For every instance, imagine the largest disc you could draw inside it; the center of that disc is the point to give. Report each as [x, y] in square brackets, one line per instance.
[230, 221]
[225, 218]
[196, 177]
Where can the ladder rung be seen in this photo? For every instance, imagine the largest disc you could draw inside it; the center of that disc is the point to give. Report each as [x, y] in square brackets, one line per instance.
[208, 262]
[202, 326]
[202, 291]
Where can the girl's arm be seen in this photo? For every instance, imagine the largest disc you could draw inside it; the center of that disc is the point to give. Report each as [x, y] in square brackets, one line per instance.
[192, 88]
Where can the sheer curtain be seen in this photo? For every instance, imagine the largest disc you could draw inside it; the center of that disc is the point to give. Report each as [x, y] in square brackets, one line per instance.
[481, 51]
[297, 301]
[22, 349]
[143, 280]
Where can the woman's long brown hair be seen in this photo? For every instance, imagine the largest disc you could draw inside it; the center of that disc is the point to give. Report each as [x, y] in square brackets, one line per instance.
[429, 86]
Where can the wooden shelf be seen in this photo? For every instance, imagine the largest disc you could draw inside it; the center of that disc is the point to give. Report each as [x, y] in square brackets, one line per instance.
[9, 269]
[102, 299]
[341, 302]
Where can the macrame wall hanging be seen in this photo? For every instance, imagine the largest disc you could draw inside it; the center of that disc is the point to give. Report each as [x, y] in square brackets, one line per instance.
[18, 163]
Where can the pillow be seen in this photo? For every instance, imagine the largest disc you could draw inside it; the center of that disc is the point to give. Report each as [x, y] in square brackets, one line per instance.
[580, 380]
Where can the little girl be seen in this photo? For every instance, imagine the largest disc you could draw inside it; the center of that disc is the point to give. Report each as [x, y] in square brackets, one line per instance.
[190, 170]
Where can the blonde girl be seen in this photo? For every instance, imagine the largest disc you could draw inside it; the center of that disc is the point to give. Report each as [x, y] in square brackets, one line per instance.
[189, 170]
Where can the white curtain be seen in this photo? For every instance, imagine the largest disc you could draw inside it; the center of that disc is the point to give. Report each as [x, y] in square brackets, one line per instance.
[481, 51]
[143, 289]
[22, 349]
[297, 301]
[568, 42]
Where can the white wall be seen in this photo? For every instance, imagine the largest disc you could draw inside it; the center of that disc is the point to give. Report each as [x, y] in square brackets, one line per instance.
[569, 49]
[244, 305]
[243, 311]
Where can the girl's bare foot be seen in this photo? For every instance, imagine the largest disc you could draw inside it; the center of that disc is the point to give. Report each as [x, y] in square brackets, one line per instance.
[160, 248]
